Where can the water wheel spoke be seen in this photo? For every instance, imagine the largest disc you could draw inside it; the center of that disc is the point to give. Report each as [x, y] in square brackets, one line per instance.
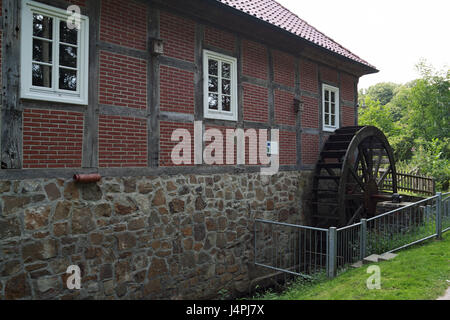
[357, 213]
[377, 166]
[383, 177]
[368, 156]
[364, 169]
[357, 178]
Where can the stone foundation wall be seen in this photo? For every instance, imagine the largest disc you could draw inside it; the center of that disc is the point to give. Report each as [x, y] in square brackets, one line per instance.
[171, 237]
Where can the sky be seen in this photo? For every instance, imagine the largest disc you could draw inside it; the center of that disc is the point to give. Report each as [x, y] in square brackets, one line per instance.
[392, 35]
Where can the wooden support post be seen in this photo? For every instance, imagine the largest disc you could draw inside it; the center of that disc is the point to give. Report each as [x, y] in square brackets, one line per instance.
[90, 139]
[11, 113]
[153, 90]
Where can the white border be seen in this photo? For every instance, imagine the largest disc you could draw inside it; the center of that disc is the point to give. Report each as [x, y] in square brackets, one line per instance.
[221, 115]
[338, 108]
[27, 91]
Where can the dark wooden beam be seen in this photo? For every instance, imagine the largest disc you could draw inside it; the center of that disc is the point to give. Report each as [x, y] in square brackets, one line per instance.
[298, 116]
[153, 90]
[11, 114]
[90, 139]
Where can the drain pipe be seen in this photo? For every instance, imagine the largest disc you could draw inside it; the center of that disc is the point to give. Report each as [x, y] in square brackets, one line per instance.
[87, 178]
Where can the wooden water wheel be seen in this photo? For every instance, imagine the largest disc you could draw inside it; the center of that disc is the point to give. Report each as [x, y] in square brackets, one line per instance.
[349, 176]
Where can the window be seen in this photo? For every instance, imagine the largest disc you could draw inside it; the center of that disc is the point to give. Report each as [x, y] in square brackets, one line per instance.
[220, 86]
[330, 110]
[54, 55]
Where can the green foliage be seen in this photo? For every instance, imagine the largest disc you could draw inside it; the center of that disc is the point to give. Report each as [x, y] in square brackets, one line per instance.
[415, 118]
[432, 157]
[382, 92]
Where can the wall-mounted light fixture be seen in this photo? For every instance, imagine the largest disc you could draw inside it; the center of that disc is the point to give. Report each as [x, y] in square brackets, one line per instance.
[298, 105]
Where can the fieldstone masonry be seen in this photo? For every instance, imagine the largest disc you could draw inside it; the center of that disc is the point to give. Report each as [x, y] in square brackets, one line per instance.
[172, 237]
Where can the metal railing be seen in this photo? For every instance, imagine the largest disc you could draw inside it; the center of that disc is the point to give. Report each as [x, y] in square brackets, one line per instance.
[294, 249]
[303, 250]
[446, 212]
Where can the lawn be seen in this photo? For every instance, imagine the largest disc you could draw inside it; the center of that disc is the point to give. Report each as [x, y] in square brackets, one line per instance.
[418, 273]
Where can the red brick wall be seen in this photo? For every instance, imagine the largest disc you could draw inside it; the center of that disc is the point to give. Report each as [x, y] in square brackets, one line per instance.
[179, 36]
[123, 81]
[288, 148]
[254, 59]
[124, 23]
[166, 145]
[177, 90]
[310, 114]
[284, 68]
[329, 75]
[52, 139]
[223, 129]
[310, 148]
[255, 103]
[308, 76]
[347, 87]
[122, 141]
[220, 39]
[348, 116]
[284, 108]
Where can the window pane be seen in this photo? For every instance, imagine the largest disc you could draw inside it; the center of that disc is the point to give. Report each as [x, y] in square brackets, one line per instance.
[67, 79]
[66, 35]
[333, 120]
[42, 51]
[327, 95]
[226, 86]
[42, 26]
[226, 70]
[42, 76]
[226, 103]
[68, 56]
[213, 84]
[327, 107]
[333, 108]
[327, 119]
[333, 98]
[213, 100]
[213, 67]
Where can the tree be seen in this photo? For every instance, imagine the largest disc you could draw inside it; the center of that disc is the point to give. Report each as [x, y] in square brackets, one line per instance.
[382, 92]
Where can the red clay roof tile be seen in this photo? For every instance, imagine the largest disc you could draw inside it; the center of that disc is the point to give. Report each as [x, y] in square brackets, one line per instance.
[274, 13]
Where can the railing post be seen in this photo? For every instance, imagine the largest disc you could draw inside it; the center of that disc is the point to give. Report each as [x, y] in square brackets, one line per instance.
[332, 249]
[363, 239]
[439, 216]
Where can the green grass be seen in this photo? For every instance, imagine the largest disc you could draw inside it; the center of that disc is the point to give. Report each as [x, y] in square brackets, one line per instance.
[418, 273]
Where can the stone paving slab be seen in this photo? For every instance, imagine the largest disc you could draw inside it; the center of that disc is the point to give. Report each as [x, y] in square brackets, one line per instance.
[387, 256]
[371, 259]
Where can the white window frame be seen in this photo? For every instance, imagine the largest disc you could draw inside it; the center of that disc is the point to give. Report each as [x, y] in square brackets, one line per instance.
[328, 127]
[54, 94]
[231, 115]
